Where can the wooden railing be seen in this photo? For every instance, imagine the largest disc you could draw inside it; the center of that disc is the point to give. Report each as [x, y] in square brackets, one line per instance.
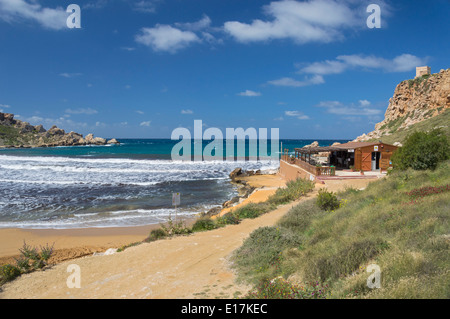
[315, 170]
[330, 171]
[306, 166]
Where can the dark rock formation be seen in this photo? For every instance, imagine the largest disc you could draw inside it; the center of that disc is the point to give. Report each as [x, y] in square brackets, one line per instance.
[16, 133]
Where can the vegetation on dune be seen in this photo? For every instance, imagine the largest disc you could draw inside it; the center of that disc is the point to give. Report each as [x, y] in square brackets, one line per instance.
[422, 150]
[30, 260]
[399, 223]
[293, 191]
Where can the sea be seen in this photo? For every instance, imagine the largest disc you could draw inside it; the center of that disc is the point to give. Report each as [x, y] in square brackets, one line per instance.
[130, 184]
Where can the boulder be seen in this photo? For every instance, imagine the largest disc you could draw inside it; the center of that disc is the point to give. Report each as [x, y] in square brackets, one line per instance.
[99, 141]
[313, 144]
[75, 135]
[24, 127]
[7, 119]
[40, 129]
[235, 173]
[54, 130]
[113, 141]
[231, 202]
[89, 139]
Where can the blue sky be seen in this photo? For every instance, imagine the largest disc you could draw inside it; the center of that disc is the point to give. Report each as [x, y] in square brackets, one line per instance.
[312, 68]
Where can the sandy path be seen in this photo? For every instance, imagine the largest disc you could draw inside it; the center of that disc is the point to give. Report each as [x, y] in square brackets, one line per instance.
[182, 267]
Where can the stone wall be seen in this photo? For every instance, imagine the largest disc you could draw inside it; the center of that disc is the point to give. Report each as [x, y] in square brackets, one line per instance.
[291, 172]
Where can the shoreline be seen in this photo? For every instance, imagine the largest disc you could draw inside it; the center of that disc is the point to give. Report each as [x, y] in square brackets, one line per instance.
[74, 243]
[80, 242]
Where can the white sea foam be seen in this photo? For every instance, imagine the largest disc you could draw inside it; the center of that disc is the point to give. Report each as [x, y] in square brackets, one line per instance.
[67, 192]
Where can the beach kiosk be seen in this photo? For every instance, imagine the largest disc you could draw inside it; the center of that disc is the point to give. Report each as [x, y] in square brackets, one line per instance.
[363, 156]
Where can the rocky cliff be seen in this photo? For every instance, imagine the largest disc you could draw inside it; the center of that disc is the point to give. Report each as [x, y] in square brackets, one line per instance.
[414, 101]
[16, 133]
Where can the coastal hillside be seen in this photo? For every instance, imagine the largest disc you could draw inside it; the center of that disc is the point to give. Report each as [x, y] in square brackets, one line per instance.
[398, 225]
[414, 101]
[18, 134]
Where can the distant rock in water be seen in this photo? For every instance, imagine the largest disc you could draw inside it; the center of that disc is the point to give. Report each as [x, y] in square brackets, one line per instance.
[313, 144]
[112, 141]
[17, 133]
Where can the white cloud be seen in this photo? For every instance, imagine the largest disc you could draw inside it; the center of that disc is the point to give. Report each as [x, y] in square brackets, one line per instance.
[86, 111]
[21, 10]
[299, 115]
[69, 75]
[61, 122]
[249, 93]
[203, 23]
[146, 123]
[364, 102]
[303, 22]
[316, 79]
[145, 6]
[326, 67]
[139, 112]
[127, 86]
[2, 106]
[98, 4]
[401, 63]
[338, 108]
[166, 38]
[187, 112]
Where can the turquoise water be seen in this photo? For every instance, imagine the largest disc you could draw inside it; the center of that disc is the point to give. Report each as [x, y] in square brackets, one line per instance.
[139, 149]
[122, 185]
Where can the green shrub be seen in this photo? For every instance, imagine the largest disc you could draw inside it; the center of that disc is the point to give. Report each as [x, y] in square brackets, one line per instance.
[122, 248]
[260, 255]
[228, 219]
[293, 191]
[346, 260]
[252, 210]
[23, 263]
[422, 150]
[31, 259]
[156, 234]
[279, 288]
[327, 200]
[175, 227]
[46, 252]
[203, 224]
[9, 272]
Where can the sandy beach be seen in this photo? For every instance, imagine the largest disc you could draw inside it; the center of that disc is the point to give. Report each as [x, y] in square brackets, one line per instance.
[194, 266]
[74, 243]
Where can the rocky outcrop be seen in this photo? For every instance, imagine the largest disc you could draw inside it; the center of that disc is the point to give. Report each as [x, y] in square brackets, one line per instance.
[17, 133]
[413, 101]
[112, 141]
[313, 144]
